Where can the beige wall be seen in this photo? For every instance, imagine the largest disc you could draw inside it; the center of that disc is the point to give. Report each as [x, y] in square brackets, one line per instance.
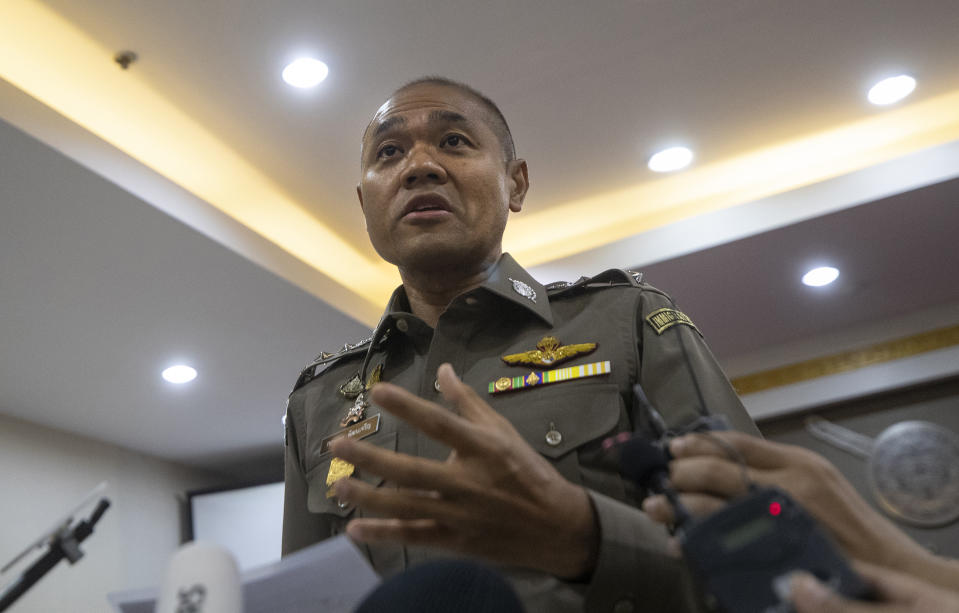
[44, 472]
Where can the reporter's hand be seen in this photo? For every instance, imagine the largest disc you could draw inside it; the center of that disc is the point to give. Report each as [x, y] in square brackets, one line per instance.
[495, 497]
[706, 476]
[897, 592]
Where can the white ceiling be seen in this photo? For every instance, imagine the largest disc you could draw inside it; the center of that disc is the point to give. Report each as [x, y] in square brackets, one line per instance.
[591, 89]
[99, 287]
[99, 291]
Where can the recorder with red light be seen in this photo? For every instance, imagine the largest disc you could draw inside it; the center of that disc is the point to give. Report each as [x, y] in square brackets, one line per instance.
[739, 552]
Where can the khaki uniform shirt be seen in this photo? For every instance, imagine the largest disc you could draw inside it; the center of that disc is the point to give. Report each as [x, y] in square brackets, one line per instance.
[636, 329]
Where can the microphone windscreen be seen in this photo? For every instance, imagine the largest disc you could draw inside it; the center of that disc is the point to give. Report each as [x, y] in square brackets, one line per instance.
[201, 578]
[640, 459]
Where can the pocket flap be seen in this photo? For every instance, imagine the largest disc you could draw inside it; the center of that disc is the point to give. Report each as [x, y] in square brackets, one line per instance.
[577, 414]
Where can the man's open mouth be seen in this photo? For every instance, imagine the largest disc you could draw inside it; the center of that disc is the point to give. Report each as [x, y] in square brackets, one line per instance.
[426, 203]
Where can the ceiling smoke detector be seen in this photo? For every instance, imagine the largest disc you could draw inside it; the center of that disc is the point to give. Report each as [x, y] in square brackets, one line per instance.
[125, 58]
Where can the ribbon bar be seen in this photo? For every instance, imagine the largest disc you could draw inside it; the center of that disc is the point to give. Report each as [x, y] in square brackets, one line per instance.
[545, 377]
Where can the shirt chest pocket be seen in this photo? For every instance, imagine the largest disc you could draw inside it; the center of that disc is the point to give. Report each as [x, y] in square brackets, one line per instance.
[567, 423]
[317, 500]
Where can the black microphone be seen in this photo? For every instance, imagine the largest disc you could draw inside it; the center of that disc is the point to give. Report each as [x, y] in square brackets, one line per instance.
[646, 463]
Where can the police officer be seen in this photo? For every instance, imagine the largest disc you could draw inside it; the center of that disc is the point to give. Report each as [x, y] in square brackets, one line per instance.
[470, 423]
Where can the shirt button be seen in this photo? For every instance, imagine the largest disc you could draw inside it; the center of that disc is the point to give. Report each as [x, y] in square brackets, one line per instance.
[472, 301]
[553, 437]
[623, 606]
[436, 384]
[402, 325]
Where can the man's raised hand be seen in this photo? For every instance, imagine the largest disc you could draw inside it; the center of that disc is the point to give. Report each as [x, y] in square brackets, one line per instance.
[495, 497]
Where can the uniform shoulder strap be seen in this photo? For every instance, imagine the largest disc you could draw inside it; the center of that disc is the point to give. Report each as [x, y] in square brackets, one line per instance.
[324, 360]
[608, 278]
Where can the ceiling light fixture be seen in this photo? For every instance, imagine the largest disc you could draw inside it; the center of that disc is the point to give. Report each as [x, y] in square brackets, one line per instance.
[891, 90]
[181, 373]
[817, 277]
[305, 72]
[670, 159]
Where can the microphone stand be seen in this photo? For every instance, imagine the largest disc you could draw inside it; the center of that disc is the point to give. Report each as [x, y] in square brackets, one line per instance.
[63, 544]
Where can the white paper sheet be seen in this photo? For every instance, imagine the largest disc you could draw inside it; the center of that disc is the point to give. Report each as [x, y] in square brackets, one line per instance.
[331, 576]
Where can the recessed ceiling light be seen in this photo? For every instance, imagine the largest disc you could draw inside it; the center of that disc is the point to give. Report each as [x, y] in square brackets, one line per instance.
[891, 90]
[817, 277]
[305, 72]
[671, 159]
[180, 373]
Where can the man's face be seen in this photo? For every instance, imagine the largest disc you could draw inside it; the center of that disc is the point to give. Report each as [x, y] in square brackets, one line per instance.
[435, 189]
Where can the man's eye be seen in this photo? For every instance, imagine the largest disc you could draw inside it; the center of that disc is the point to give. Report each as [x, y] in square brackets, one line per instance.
[454, 140]
[387, 151]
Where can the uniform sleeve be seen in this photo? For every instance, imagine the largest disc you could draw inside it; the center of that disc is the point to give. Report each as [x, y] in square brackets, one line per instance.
[300, 527]
[683, 381]
[678, 372]
[633, 571]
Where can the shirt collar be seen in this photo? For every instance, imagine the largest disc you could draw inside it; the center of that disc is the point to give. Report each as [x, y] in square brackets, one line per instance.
[508, 280]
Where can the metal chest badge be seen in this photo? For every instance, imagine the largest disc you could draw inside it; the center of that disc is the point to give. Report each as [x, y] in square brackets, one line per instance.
[339, 469]
[357, 412]
[353, 387]
[549, 352]
[523, 289]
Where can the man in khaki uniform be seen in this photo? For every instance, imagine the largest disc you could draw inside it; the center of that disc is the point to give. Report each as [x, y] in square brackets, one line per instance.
[485, 438]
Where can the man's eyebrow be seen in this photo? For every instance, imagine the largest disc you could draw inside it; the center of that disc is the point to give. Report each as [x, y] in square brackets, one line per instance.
[387, 124]
[447, 116]
[439, 116]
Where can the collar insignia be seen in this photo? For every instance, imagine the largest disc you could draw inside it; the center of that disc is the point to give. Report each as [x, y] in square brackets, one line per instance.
[523, 289]
[549, 352]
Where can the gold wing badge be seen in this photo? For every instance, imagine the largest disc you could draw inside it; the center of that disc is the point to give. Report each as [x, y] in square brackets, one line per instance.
[549, 352]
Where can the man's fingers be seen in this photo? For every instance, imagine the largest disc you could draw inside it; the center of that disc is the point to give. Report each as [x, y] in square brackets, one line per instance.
[890, 585]
[699, 505]
[754, 451]
[428, 417]
[709, 475]
[405, 531]
[810, 596]
[469, 404]
[398, 468]
[428, 533]
[396, 503]
[658, 509]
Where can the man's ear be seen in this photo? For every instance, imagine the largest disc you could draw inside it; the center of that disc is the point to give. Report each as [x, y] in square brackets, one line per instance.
[518, 184]
[359, 194]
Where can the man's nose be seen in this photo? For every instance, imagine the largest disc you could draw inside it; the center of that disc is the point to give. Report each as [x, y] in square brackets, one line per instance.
[422, 167]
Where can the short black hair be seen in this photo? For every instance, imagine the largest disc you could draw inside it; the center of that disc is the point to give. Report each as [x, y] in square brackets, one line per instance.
[498, 123]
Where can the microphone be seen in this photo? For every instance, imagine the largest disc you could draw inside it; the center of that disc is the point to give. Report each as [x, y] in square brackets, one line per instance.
[201, 578]
[646, 464]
